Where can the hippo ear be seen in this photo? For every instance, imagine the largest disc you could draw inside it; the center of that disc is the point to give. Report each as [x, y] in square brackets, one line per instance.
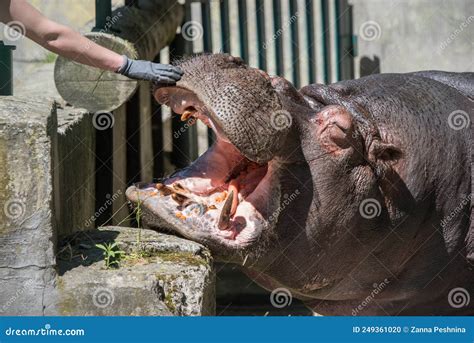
[335, 129]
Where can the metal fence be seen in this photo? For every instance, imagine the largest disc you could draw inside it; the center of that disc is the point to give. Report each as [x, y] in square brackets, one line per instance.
[305, 41]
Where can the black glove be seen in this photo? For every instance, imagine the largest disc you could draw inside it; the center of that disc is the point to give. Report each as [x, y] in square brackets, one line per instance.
[146, 70]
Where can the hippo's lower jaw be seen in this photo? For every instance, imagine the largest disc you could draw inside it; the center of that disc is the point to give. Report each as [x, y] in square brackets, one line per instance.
[222, 200]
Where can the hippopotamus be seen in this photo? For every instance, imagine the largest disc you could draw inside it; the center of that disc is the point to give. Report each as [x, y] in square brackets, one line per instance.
[355, 197]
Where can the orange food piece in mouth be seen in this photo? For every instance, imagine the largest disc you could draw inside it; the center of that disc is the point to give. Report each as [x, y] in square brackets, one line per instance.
[221, 197]
[181, 216]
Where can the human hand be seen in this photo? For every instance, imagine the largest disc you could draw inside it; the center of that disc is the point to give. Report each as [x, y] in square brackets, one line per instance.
[146, 70]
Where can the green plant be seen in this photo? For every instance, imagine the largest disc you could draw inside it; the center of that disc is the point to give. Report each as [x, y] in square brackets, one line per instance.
[112, 254]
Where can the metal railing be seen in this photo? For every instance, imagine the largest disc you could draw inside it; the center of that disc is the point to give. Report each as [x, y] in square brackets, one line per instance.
[6, 69]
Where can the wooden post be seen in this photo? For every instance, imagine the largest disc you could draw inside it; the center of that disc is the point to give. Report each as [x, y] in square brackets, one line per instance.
[132, 31]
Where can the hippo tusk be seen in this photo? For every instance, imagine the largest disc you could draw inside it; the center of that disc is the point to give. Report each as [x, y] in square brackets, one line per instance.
[186, 115]
[226, 212]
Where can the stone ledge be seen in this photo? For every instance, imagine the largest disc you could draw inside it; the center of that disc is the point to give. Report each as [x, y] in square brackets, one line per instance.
[160, 275]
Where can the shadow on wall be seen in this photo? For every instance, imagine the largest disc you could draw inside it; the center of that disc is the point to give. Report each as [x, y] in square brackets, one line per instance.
[369, 66]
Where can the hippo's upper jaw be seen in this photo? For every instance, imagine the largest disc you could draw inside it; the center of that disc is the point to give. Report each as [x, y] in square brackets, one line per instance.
[223, 199]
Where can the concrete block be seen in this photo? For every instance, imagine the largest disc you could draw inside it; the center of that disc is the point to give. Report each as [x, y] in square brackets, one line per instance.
[27, 228]
[158, 275]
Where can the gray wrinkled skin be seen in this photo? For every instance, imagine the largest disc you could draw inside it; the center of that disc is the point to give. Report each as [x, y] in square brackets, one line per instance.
[217, 89]
[373, 184]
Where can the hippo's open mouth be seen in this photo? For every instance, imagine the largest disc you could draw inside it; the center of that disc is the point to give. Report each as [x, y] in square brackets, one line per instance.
[222, 198]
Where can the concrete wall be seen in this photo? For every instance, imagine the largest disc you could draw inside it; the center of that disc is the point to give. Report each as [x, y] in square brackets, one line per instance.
[409, 35]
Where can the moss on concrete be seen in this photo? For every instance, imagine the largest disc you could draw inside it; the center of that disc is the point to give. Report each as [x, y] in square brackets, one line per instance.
[183, 257]
[169, 289]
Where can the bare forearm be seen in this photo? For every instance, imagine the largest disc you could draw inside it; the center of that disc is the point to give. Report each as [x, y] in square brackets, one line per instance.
[70, 44]
[58, 38]
[74, 46]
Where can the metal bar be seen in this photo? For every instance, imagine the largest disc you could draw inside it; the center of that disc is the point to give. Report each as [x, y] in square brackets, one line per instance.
[225, 26]
[103, 9]
[104, 138]
[310, 41]
[6, 68]
[326, 44]
[295, 51]
[185, 147]
[337, 38]
[103, 174]
[207, 44]
[262, 53]
[344, 41]
[207, 26]
[157, 132]
[244, 37]
[277, 30]
[133, 139]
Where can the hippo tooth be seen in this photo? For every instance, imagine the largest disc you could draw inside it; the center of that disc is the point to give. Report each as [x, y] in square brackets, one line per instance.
[186, 114]
[179, 198]
[178, 186]
[224, 218]
[163, 189]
